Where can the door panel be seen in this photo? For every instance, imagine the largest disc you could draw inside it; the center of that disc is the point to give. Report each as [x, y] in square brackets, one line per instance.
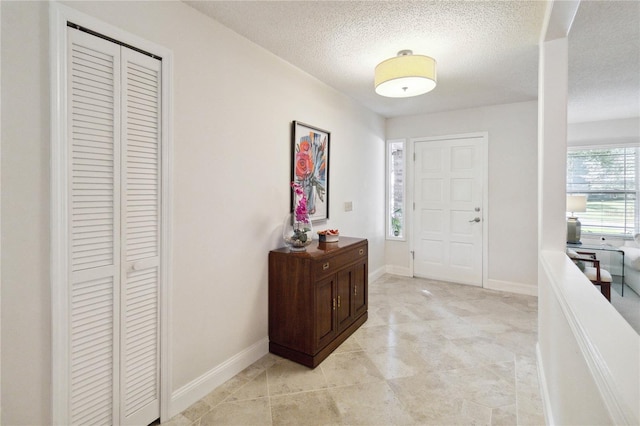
[360, 289]
[344, 302]
[448, 197]
[94, 202]
[325, 312]
[140, 312]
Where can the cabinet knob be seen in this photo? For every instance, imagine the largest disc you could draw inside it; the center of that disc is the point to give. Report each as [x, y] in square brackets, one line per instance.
[325, 266]
[361, 252]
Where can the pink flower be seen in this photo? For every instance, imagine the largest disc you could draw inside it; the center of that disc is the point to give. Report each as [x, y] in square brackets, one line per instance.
[301, 211]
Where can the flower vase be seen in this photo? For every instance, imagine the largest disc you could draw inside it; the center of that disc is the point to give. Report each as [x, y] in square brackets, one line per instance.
[297, 232]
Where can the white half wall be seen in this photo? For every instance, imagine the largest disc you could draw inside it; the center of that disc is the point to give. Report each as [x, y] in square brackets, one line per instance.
[233, 105]
[588, 355]
[512, 175]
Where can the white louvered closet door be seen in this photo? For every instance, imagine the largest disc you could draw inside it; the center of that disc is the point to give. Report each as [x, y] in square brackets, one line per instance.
[140, 310]
[114, 223]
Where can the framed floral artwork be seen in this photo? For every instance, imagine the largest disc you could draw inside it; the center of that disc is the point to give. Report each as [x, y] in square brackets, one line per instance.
[310, 167]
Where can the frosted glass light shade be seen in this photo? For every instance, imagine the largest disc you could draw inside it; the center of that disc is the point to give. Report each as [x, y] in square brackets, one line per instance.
[576, 203]
[405, 75]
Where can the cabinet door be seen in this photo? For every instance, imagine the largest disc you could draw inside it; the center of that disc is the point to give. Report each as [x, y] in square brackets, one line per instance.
[325, 306]
[360, 294]
[345, 300]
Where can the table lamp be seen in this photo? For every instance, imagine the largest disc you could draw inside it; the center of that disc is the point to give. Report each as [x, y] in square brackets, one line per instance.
[575, 203]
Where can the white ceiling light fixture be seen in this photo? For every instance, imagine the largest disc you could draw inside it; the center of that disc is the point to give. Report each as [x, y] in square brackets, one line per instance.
[405, 75]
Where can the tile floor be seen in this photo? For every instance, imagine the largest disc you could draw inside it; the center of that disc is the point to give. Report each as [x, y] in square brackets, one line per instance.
[431, 353]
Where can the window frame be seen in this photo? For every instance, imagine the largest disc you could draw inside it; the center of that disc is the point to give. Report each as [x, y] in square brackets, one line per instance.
[636, 218]
[390, 190]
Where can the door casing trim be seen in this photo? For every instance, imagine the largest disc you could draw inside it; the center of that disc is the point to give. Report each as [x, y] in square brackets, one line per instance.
[59, 15]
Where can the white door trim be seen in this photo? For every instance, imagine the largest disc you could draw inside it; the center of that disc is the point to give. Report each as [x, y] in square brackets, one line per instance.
[59, 15]
[483, 139]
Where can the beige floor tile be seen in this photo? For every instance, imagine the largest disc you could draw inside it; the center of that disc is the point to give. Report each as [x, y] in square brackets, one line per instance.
[464, 308]
[382, 336]
[519, 342]
[481, 385]
[396, 314]
[254, 412]
[504, 416]
[416, 334]
[505, 370]
[431, 353]
[490, 324]
[397, 362]
[531, 419]
[306, 408]
[427, 398]
[179, 420]
[197, 410]
[254, 389]
[370, 404]
[445, 355]
[223, 391]
[349, 345]
[288, 377]
[529, 402]
[462, 353]
[350, 368]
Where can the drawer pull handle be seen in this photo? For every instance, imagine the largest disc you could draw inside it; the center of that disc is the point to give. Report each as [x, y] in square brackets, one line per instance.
[361, 252]
[334, 304]
[338, 302]
[355, 290]
[325, 266]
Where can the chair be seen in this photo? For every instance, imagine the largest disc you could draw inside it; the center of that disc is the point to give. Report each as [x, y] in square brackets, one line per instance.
[595, 273]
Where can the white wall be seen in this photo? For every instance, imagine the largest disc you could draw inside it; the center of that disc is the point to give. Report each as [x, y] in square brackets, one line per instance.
[624, 131]
[233, 104]
[512, 174]
[26, 312]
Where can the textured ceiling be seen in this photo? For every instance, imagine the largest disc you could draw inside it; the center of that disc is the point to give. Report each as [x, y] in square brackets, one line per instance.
[604, 61]
[487, 51]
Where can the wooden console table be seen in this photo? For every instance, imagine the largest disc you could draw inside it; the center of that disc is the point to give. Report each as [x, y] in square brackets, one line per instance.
[317, 298]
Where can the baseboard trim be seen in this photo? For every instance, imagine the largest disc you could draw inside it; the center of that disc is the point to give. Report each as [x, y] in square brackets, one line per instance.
[398, 270]
[511, 287]
[376, 274]
[200, 387]
[544, 389]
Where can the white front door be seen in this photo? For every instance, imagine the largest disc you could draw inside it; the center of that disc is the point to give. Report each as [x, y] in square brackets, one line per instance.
[448, 213]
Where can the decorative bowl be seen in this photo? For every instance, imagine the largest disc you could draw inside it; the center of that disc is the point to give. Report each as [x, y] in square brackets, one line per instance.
[328, 236]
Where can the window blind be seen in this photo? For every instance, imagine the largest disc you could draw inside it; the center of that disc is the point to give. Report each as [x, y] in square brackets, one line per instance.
[609, 179]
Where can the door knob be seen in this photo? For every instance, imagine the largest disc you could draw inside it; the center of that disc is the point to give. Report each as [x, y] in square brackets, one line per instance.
[477, 219]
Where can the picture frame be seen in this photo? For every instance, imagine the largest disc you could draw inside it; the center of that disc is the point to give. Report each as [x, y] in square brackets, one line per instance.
[310, 167]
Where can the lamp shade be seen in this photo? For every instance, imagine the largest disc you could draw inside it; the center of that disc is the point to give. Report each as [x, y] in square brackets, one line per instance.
[405, 75]
[576, 203]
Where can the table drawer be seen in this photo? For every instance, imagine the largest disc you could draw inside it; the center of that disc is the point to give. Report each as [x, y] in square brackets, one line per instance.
[330, 266]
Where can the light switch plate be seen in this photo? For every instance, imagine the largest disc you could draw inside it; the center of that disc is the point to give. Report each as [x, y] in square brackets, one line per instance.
[348, 206]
